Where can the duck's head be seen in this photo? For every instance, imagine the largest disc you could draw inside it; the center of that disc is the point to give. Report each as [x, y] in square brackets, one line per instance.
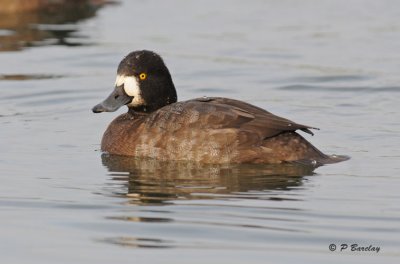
[143, 83]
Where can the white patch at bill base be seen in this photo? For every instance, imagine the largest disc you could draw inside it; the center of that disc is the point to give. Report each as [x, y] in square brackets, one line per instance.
[131, 87]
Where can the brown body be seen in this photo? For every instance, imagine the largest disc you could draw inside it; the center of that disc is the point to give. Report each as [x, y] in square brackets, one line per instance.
[211, 130]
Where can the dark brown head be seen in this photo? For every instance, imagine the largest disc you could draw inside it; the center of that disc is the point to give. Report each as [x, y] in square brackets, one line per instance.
[143, 83]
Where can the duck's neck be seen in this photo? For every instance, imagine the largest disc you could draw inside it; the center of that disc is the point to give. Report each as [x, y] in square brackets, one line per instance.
[139, 109]
[155, 105]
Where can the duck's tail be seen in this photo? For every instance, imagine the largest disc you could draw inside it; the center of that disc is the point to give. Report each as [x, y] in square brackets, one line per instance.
[293, 148]
[322, 160]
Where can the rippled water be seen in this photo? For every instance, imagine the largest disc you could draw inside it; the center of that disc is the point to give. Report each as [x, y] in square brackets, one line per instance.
[329, 64]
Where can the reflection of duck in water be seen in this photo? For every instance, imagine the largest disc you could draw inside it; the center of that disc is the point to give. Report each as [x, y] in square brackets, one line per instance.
[31, 22]
[207, 130]
[154, 181]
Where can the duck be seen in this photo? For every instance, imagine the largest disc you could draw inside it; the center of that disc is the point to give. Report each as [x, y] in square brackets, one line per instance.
[214, 130]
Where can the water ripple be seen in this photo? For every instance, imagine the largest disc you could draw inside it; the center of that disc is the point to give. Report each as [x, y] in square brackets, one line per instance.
[320, 88]
[26, 77]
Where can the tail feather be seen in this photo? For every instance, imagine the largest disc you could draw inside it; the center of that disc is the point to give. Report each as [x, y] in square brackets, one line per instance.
[293, 148]
[320, 161]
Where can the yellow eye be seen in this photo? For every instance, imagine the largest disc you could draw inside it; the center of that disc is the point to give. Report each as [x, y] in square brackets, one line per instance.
[142, 76]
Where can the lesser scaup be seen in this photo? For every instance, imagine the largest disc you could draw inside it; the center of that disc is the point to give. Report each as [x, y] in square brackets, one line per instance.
[208, 129]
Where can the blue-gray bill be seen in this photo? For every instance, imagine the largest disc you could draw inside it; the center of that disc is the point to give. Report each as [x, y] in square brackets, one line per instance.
[114, 101]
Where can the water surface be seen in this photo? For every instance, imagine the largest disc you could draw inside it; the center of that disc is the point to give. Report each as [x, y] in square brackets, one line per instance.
[329, 64]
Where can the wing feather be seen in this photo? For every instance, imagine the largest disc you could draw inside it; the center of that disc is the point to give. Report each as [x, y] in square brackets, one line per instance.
[222, 113]
[252, 118]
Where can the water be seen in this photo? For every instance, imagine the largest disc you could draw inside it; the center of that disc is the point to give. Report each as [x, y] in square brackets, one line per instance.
[329, 64]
